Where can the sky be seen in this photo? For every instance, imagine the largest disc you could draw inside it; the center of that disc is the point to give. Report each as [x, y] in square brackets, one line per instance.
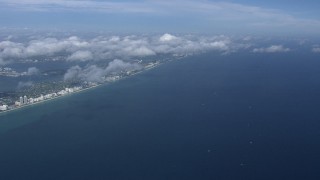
[276, 17]
[147, 28]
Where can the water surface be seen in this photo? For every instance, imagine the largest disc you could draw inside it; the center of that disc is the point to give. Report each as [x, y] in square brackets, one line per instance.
[206, 117]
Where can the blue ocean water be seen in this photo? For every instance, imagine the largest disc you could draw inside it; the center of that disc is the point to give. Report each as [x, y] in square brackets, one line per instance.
[235, 116]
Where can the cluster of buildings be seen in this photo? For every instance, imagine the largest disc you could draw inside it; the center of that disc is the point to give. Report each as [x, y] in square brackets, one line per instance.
[22, 101]
[112, 78]
[25, 100]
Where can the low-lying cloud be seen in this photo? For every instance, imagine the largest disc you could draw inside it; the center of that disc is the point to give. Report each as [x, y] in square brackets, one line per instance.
[316, 50]
[167, 37]
[22, 85]
[94, 73]
[80, 56]
[272, 49]
[72, 73]
[112, 47]
[40, 47]
[32, 71]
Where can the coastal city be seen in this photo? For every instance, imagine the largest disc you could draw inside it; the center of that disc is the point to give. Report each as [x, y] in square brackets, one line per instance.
[25, 100]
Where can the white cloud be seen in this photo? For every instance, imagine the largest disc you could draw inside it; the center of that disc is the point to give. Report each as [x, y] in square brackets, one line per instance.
[80, 56]
[221, 45]
[142, 51]
[39, 47]
[316, 49]
[24, 84]
[32, 71]
[94, 73]
[119, 65]
[106, 48]
[72, 73]
[47, 46]
[271, 49]
[50, 46]
[10, 49]
[167, 37]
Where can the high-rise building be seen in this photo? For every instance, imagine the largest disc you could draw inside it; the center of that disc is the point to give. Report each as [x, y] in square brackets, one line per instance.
[25, 100]
[21, 101]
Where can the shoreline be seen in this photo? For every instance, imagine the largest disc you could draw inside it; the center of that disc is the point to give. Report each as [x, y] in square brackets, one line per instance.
[46, 100]
[73, 93]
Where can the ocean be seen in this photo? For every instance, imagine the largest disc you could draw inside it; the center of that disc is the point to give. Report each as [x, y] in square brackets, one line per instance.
[210, 116]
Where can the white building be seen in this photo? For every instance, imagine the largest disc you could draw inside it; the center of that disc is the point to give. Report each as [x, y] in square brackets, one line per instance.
[31, 100]
[48, 96]
[21, 101]
[112, 78]
[62, 92]
[3, 108]
[17, 103]
[70, 90]
[41, 98]
[77, 88]
[25, 100]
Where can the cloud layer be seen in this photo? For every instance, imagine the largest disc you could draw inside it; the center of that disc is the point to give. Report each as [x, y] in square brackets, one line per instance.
[80, 56]
[112, 47]
[167, 37]
[272, 49]
[94, 73]
[40, 47]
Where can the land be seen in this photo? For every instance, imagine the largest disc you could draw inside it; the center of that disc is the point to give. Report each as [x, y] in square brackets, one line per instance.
[43, 92]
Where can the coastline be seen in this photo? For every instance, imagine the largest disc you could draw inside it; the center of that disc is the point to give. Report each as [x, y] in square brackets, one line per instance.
[76, 92]
[47, 100]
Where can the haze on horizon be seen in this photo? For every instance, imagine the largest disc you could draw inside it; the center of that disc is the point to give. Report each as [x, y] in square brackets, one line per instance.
[149, 28]
[274, 17]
